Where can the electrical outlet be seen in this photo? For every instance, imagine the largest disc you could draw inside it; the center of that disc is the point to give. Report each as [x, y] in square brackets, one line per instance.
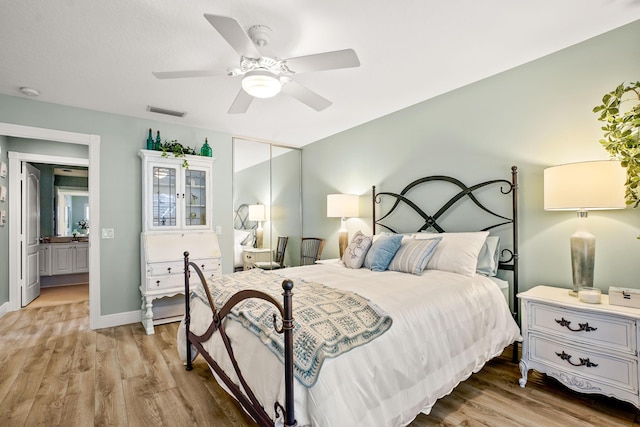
[107, 233]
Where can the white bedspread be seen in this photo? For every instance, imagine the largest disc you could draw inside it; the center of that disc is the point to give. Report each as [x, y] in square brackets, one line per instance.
[445, 327]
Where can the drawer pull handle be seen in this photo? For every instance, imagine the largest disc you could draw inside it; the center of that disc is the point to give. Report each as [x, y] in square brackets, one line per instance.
[583, 362]
[169, 269]
[202, 266]
[582, 326]
[157, 282]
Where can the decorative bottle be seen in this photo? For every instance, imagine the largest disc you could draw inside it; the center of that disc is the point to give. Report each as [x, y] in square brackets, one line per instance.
[206, 149]
[158, 143]
[150, 140]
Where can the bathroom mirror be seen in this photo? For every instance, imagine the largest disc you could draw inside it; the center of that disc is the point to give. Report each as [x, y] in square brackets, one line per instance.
[72, 211]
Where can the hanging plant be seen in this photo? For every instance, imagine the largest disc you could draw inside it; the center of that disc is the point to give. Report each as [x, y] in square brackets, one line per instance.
[622, 133]
[178, 150]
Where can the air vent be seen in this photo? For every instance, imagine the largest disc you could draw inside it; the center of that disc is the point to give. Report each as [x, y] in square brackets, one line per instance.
[165, 111]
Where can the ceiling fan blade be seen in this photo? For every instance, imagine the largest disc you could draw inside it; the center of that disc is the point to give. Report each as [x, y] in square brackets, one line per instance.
[305, 95]
[346, 58]
[241, 103]
[185, 74]
[233, 33]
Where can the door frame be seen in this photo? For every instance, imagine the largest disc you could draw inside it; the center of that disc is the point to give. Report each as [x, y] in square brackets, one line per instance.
[93, 163]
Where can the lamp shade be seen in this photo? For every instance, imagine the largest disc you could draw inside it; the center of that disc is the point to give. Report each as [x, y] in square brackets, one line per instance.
[585, 186]
[261, 84]
[256, 213]
[343, 205]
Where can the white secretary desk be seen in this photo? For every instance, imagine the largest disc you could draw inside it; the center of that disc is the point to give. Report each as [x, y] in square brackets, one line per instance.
[176, 217]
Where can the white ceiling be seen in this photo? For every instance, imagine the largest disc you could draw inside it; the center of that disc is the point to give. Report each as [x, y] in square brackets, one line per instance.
[99, 54]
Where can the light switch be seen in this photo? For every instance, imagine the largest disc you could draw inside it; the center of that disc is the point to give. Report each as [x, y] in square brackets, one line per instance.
[107, 233]
[218, 229]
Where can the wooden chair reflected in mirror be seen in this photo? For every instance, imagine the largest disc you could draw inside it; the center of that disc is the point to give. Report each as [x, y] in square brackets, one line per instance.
[310, 250]
[278, 262]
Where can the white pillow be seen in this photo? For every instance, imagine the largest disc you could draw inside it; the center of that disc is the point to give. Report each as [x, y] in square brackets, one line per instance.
[240, 235]
[354, 254]
[456, 252]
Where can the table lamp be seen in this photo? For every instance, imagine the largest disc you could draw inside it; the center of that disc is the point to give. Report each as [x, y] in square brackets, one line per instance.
[257, 213]
[343, 206]
[597, 185]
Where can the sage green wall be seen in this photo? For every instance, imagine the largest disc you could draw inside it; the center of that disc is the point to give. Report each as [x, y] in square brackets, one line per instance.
[533, 116]
[46, 199]
[121, 188]
[4, 229]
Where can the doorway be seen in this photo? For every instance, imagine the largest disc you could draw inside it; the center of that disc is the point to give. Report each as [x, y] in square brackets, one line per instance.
[93, 162]
[64, 235]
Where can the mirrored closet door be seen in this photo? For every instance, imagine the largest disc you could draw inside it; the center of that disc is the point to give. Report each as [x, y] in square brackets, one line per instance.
[266, 202]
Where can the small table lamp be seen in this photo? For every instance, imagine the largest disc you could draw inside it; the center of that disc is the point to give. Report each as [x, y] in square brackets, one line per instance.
[343, 206]
[257, 213]
[597, 185]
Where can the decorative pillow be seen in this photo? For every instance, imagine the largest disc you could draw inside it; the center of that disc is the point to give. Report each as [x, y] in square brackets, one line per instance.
[239, 236]
[354, 254]
[413, 255]
[457, 252]
[382, 251]
[489, 257]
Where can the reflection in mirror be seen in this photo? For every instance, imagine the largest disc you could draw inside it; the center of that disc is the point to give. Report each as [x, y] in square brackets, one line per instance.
[72, 211]
[286, 200]
[268, 175]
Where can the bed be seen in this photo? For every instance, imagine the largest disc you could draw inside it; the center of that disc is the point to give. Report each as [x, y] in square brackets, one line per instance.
[428, 325]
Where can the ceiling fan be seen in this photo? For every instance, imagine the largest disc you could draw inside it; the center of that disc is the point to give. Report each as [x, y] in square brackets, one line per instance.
[265, 77]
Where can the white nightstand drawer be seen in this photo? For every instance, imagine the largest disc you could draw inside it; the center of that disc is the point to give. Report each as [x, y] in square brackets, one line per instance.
[587, 365]
[610, 332]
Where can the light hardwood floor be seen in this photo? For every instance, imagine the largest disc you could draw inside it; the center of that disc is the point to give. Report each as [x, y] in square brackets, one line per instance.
[54, 371]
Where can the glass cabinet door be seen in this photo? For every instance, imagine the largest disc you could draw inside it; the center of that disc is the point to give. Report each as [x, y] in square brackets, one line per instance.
[195, 197]
[164, 188]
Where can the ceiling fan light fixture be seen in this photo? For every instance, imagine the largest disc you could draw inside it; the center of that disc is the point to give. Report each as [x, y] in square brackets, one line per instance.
[261, 84]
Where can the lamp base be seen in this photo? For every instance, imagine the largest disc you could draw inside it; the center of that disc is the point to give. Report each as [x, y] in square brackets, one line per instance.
[259, 237]
[343, 241]
[583, 250]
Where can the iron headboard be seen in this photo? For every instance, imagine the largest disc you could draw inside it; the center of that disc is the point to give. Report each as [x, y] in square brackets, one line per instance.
[508, 257]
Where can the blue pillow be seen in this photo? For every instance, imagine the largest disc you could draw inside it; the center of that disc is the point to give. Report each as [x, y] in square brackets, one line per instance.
[413, 255]
[489, 256]
[382, 251]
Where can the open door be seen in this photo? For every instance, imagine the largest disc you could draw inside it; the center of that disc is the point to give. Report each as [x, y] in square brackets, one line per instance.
[30, 233]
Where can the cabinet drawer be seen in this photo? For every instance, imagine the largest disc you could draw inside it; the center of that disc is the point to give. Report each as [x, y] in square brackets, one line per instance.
[166, 268]
[593, 366]
[208, 266]
[169, 281]
[612, 333]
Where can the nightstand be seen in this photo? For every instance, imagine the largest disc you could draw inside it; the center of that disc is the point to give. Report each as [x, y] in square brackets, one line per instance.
[252, 255]
[590, 348]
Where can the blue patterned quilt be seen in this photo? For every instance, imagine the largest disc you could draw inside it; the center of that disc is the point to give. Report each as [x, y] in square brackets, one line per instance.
[328, 322]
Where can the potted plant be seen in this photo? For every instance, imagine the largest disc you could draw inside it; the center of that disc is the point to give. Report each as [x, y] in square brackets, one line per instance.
[178, 150]
[622, 133]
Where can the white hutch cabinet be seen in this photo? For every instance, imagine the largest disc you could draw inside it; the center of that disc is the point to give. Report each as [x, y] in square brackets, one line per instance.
[176, 217]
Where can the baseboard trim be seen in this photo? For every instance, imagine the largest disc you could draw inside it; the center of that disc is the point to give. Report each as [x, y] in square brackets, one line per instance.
[162, 314]
[118, 319]
[4, 309]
